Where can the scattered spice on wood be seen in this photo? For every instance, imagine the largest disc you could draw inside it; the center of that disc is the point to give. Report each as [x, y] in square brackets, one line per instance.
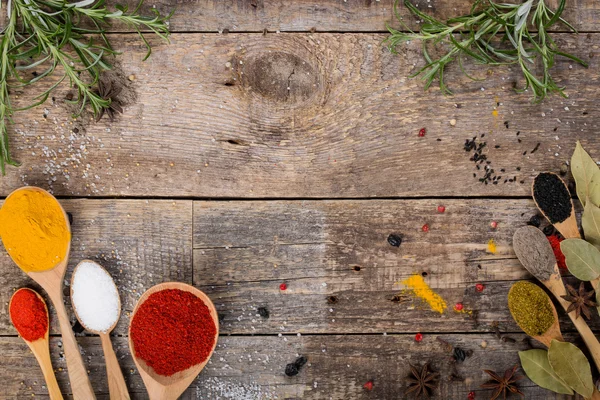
[283, 286]
[263, 312]
[494, 224]
[395, 240]
[537, 146]
[422, 382]
[422, 290]
[419, 337]
[491, 246]
[425, 228]
[552, 197]
[531, 308]
[28, 314]
[503, 384]
[535, 220]
[458, 306]
[471, 396]
[293, 369]
[461, 355]
[441, 209]
[580, 300]
[172, 331]
[480, 287]
[368, 385]
[422, 132]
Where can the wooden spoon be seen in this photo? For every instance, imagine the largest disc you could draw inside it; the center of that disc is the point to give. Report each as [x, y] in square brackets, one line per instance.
[41, 350]
[536, 255]
[117, 387]
[568, 226]
[171, 387]
[52, 281]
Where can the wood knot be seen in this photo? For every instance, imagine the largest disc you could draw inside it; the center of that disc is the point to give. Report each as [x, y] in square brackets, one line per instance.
[281, 77]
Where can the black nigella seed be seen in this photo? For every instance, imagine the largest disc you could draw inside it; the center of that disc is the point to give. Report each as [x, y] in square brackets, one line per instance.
[395, 240]
[537, 146]
[291, 369]
[263, 312]
[552, 197]
[535, 221]
[300, 361]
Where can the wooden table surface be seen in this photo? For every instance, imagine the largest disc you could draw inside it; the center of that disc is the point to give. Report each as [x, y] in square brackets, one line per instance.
[277, 141]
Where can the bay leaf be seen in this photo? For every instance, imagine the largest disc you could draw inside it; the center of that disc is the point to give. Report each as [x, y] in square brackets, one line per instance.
[590, 221]
[568, 362]
[585, 171]
[537, 367]
[582, 258]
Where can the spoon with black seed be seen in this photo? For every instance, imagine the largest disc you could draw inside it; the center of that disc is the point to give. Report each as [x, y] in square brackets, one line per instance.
[553, 199]
[535, 253]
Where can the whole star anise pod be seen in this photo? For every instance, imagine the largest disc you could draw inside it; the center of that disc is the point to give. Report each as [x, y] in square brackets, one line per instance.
[503, 385]
[109, 91]
[580, 301]
[421, 382]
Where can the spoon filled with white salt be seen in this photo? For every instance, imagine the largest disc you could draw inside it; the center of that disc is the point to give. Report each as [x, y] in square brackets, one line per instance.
[97, 305]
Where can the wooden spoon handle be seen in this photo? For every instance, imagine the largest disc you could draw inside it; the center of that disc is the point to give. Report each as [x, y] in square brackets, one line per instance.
[80, 382]
[42, 353]
[557, 287]
[116, 383]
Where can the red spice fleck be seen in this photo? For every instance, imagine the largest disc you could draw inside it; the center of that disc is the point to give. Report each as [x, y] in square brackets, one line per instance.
[283, 286]
[422, 132]
[418, 337]
[425, 228]
[493, 224]
[471, 396]
[368, 385]
[458, 306]
[479, 287]
[172, 331]
[560, 257]
[29, 315]
[441, 209]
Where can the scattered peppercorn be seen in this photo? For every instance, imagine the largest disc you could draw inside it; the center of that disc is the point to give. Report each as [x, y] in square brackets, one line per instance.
[458, 306]
[368, 386]
[291, 369]
[493, 224]
[471, 396]
[283, 286]
[479, 287]
[263, 312]
[422, 132]
[425, 228]
[535, 221]
[441, 209]
[300, 361]
[418, 337]
[548, 230]
[395, 240]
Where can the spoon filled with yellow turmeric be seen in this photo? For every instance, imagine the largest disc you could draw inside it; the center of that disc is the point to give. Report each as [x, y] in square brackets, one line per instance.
[36, 234]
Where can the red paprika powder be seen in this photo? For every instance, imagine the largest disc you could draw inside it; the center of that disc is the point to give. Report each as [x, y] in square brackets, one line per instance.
[560, 257]
[29, 315]
[172, 331]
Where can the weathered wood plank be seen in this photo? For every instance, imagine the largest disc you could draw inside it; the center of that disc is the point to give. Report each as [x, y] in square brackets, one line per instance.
[243, 251]
[252, 368]
[325, 15]
[140, 243]
[214, 118]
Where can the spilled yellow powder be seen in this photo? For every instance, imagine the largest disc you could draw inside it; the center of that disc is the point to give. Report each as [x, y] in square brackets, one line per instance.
[495, 113]
[492, 246]
[424, 292]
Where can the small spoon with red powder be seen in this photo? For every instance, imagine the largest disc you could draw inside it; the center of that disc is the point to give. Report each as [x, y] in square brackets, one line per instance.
[29, 315]
[172, 335]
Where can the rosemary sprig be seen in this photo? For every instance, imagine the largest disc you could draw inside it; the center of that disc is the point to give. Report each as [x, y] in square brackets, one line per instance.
[55, 35]
[491, 34]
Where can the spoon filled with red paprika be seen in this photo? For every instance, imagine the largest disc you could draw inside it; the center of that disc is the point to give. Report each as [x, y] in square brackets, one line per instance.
[29, 315]
[172, 335]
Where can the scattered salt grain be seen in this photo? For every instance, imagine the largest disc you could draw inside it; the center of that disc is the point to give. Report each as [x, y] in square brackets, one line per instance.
[95, 297]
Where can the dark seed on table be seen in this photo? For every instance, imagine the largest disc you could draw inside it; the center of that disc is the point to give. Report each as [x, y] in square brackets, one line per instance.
[525, 152]
[535, 221]
[548, 230]
[291, 369]
[394, 240]
[552, 197]
[537, 146]
[263, 312]
[300, 361]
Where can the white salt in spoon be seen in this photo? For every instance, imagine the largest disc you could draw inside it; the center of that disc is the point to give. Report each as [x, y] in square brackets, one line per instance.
[89, 305]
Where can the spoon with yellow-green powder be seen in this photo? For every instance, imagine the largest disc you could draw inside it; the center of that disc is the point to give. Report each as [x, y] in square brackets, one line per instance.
[533, 311]
[36, 234]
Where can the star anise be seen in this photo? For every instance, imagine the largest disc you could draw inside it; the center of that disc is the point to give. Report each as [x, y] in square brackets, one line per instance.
[503, 385]
[580, 301]
[421, 382]
[109, 91]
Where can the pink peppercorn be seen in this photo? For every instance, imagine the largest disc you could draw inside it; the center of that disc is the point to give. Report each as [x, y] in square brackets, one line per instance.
[479, 287]
[494, 224]
[471, 396]
[441, 209]
[425, 228]
[368, 385]
[418, 337]
[458, 306]
[283, 286]
[422, 132]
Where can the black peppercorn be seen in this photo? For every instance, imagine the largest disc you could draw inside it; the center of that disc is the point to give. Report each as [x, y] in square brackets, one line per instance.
[394, 240]
[535, 221]
[300, 361]
[548, 230]
[291, 369]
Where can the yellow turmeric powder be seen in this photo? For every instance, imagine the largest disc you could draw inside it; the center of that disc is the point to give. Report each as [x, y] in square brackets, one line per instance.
[424, 292]
[492, 246]
[34, 230]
